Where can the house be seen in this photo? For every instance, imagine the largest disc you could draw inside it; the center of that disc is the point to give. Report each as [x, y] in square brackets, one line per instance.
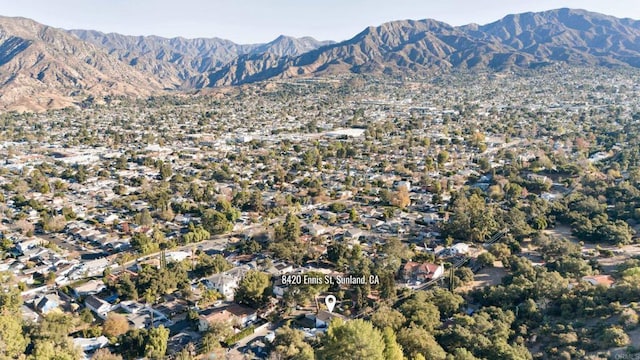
[235, 314]
[28, 244]
[323, 318]
[91, 344]
[226, 283]
[139, 320]
[91, 287]
[279, 268]
[95, 267]
[414, 271]
[459, 249]
[47, 303]
[279, 288]
[602, 280]
[172, 305]
[431, 218]
[353, 234]
[538, 178]
[373, 223]
[223, 283]
[316, 230]
[131, 307]
[177, 256]
[98, 306]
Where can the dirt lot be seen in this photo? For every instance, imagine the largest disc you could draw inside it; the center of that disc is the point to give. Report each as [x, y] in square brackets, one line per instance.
[621, 254]
[486, 277]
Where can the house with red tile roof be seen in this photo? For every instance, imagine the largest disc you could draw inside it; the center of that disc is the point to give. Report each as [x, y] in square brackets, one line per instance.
[414, 271]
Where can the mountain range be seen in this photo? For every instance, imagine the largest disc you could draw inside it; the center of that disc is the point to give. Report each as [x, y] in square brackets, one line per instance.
[42, 67]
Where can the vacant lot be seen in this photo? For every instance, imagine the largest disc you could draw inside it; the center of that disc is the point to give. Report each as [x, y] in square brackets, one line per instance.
[486, 277]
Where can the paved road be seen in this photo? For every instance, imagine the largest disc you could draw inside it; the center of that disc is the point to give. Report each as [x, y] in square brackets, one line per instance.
[218, 242]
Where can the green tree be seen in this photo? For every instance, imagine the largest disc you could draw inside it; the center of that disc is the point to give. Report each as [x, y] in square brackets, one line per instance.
[165, 171]
[500, 251]
[615, 337]
[144, 218]
[356, 339]
[156, 345]
[420, 312]
[386, 317]
[353, 215]
[12, 340]
[132, 344]
[447, 302]
[10, 300]
[216, 222]
[415, 340]
[472, 219]
[86, 316]
[126, 288]
[210, 343]
[208, 265]
[392, 351]
[443, 157]
[486, 259]
[462, 354]
[292, 228]
[51, 340]
[144, 244]
[289, 344]
[46, 349]
[254, 289]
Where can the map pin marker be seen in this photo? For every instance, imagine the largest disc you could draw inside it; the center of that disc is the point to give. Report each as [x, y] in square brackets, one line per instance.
[330, 301]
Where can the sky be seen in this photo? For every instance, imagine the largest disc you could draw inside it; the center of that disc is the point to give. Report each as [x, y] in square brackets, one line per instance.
[259, 21]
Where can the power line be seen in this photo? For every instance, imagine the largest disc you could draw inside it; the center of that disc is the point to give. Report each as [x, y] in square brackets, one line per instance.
[496, 237]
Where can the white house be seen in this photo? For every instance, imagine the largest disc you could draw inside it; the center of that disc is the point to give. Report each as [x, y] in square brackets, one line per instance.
[93, 267]
[226, 283]
[323, 318]
[460, 249]
[47, 303]
[177, 256]
[27, 244]
[98, 306]
[431, 218]
[91, 287]
[316, 230]
[91, 344]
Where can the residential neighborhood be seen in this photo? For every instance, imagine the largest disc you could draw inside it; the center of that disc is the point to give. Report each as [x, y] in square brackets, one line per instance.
[220, 223]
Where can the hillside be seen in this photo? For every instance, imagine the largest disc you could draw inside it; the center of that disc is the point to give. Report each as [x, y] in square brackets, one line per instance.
[43, 67]
[524, 40]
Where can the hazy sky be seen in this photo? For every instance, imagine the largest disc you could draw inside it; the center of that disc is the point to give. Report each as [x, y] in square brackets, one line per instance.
[251, 21]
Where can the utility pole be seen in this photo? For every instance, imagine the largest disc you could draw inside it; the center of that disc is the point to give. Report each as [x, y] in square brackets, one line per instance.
[451, 278]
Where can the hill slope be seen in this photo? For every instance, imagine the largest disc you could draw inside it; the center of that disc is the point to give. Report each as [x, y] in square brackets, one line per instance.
[181, 61]
[42, 67]
[523, 40]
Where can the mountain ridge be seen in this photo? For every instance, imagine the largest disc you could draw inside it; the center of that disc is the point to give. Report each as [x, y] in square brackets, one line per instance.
[44, 67]
[183, 60]
[519, 40]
